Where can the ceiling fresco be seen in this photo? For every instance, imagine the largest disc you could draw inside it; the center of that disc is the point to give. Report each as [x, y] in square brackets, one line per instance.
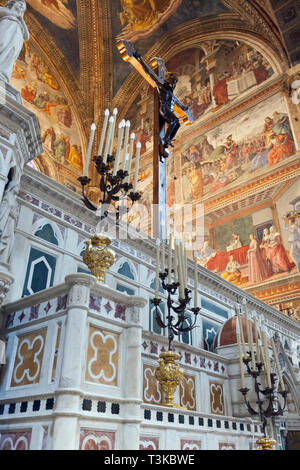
[145, 22]
[59, 18]
[241, 156]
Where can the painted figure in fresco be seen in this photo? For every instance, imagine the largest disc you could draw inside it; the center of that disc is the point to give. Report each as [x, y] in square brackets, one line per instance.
[142, 14]
[292, 224]
[29, 93]
[49, 138]
[13, 33]
[236, 242]
[281, 124]
[60, 146]
[206, 253]
[278, 257]
[264, 246]
[257, 265]
[261, 157]
[195, 178]
[281, 146]
[231, 152]
[232, 272]
[56, 11]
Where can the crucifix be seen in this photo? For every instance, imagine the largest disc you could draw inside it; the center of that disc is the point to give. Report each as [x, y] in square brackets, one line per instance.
[166, 124]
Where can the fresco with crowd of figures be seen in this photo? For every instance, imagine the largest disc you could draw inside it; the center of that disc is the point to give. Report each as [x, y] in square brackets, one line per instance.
[42, 94]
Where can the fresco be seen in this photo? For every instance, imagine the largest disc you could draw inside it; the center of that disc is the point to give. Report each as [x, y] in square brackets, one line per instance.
[258, 247]
[139, 18]
[145, 21]
[59, 18]
[56, 11]
[243, 148]
[42, 94]
[209, 78]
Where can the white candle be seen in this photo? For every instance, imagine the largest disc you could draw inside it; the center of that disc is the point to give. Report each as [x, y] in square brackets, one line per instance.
[180, 268]
[176, 267]
[115, 112]
[100, 149]
[120, 140]
[157, 269]
[137, 165]
[267, 358]
[240, 355]
[185, 263]
[170, 258]
[128, 168]
[241, 331]
[277, 365]
[89, 150]
[162, 251]
[107, 143]
[257, 341]
[252, 347]
[247, 326]
[127, 126]
[196, 280]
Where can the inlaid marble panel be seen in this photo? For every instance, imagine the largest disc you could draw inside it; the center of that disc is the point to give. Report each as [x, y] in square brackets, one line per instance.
[226, 446]
[149, 443]
[188, 392]
[216, 398]
[15, 440]
[102, 357]
[28, 359]
[151, 388]
[189, 444]
[96, 440]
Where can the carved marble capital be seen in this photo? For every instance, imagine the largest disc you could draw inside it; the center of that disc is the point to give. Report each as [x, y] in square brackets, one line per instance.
[6, 280]
[79, 292]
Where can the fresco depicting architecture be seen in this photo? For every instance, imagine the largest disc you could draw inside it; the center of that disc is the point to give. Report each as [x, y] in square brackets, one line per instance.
[79, 357]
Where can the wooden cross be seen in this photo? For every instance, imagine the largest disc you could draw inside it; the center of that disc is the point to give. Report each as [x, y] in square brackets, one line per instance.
[166, 124]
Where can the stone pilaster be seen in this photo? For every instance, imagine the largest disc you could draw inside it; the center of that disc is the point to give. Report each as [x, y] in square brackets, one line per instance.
[133, 383]
[68, 395]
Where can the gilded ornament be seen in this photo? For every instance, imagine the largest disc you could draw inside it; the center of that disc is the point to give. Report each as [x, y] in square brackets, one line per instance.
[265, 443]
[98, 257]
[169, 374]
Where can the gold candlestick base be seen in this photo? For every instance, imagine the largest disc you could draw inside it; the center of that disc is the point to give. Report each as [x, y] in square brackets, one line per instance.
[265, 443]
[169, 374]
[98, 257]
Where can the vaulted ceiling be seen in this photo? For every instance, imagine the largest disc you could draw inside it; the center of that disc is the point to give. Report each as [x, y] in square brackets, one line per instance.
[77, 38]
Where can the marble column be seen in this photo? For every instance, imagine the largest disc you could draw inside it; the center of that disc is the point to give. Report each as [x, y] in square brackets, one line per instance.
[68, 395]
[133, 385]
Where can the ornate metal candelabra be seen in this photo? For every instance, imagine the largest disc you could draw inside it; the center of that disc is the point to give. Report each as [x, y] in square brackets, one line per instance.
[114, 189]
[169, 374]
[175, 326]
[273, 406]
[268, 403]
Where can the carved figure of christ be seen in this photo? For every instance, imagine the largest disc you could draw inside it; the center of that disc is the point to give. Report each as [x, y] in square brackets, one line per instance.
[166, 125]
